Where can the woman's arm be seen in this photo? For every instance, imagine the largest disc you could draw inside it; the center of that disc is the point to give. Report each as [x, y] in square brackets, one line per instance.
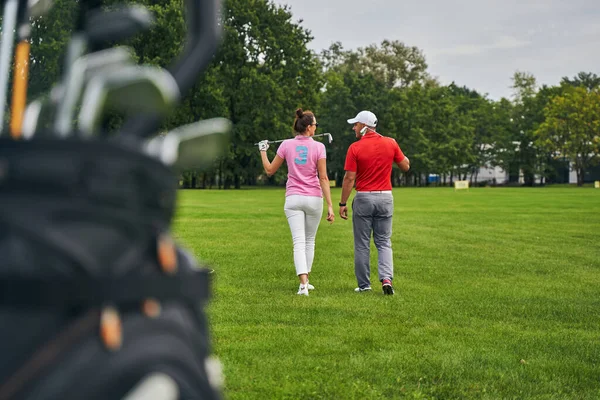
[270, 167]
[324, 182]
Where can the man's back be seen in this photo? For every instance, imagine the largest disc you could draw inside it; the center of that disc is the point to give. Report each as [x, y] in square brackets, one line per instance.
[372, 158]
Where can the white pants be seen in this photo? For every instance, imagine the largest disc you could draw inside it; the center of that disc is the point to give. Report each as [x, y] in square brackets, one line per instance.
[304, 215]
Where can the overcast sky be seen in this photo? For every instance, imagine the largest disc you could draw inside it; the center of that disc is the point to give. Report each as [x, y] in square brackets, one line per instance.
[476, 43]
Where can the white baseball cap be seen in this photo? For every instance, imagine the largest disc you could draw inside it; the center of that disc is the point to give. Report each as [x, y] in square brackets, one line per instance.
[364, 117]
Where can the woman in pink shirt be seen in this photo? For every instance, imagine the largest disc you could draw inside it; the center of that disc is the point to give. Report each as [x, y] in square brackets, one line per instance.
[306, 184]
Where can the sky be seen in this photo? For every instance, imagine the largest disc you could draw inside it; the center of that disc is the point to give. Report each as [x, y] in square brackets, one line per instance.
[475, 43]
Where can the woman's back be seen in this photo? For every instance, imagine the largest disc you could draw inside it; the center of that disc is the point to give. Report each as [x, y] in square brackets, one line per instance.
[301, 155]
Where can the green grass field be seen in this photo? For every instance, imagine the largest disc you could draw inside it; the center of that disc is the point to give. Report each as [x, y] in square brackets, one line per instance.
[497, 297]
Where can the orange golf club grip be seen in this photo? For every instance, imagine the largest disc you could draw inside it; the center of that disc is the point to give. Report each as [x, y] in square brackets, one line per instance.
[19, 97]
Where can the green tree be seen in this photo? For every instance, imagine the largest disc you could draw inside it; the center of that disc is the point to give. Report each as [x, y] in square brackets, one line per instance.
[588, 80]
[50, 35]
[572, 128]
[372, 78]
[527, 115]
[393, 63]
[265, 71]
[502, 151]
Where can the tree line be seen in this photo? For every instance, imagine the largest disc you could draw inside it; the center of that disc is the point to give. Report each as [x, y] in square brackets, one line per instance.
[264, 70]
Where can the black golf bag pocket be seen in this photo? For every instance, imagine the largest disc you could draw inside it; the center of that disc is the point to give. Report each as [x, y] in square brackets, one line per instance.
[95, 296]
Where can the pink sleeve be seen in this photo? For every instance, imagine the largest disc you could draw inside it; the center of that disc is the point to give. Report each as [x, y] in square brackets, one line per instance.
[282, 149]
[321, 152]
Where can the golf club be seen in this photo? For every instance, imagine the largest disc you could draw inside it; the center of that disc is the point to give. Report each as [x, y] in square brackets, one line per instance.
[117, 24]
[30, 118]
[27, 10]
[41, 109]
[100, 27]
[21, 70]
[38, 8]
[16, 18]
[204, 32]
[79, 39]
[195, 145]
[9, 21]
[328, 135]
[133, 88]
[83, 70]
[156, 386]
[95, 27]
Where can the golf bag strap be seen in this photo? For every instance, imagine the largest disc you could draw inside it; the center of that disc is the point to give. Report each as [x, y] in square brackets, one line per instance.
[46, 355]
[61, 293]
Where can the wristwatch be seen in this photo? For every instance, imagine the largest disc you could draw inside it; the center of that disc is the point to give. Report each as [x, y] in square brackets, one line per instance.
[342, 204]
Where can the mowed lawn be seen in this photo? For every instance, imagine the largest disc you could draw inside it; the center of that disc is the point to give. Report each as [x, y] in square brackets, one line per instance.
[497, 297]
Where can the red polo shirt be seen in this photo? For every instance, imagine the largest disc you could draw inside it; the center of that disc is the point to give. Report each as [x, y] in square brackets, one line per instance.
[372, 158]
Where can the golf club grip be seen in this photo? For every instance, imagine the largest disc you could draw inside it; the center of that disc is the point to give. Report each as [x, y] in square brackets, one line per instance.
[204, 35]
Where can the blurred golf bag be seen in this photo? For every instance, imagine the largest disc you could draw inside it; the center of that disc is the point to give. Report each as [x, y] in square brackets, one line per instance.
[96, 299]
[94, 296]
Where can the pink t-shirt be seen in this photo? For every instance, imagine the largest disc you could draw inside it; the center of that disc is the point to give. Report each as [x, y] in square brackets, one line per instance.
[301, 155]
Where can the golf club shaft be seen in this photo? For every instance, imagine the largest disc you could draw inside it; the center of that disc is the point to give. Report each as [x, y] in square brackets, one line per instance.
[281, 140]
[19, 97]
[21, 72]
[9, 20]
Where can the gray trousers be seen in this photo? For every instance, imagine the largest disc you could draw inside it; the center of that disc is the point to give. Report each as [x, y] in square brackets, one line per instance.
[372, 213]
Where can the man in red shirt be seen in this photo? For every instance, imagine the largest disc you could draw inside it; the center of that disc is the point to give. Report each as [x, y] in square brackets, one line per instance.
[369, 163]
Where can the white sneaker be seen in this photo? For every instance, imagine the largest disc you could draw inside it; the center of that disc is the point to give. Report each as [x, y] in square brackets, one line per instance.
[310, 287]
[357, 290]
[303, 290]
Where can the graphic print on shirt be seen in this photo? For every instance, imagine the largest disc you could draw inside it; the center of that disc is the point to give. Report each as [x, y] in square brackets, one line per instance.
[302, 155]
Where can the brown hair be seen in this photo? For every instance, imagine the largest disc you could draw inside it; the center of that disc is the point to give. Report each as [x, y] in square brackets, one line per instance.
[303, 120]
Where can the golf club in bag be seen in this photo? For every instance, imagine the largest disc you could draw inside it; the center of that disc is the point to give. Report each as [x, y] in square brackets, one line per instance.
[97, 301]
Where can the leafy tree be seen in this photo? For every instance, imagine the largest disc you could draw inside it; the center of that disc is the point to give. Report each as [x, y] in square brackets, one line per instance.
[548, 166]
[372, 78]
[265, 71]
[502, 151]
[572, 128]
[527, 115]
[588, 80]
[50, 35]
[393, 63]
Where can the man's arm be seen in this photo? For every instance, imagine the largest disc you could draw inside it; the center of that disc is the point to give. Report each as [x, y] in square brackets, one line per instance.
[404, 165]
[347, 186]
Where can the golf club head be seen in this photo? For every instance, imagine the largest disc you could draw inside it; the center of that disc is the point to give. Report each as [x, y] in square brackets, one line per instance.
[83, 70]
[117, 24]
[133, 88]
[39, 114]
[203, 35]
[195, 145]
[37, 8]
[156, 386]
[30, 118]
